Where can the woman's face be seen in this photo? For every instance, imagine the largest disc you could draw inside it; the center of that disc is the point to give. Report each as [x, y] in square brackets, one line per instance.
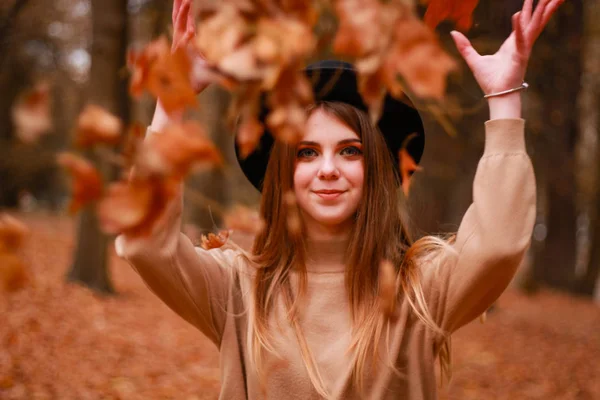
[329, 173]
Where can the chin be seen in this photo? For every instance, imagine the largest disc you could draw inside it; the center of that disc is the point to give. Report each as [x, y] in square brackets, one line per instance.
[333, 219]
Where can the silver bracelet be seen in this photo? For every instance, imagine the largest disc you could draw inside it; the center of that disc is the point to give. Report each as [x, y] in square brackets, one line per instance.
[523, 86]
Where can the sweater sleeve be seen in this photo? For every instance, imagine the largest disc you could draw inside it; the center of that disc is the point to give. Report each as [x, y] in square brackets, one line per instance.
[192, 281]
[495, 232]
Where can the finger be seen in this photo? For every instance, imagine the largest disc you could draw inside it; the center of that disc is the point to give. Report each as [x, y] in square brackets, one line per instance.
[176, 7]
[526, 12]
[464, 47]
[536, 18]
[191, 23]
[518, 29]
[549, 11]
[183, 16]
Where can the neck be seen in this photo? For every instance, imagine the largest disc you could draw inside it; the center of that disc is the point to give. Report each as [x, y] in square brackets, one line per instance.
[327, 249]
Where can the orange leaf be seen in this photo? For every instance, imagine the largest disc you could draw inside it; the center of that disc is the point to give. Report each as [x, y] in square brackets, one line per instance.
[164, 74]
[212, 241]
[133, 142]
[388, 291]
[408, 167]
[176, 150]
[133, 207]
[294, 224]
[31, 113]
[418, 57]
[249, 134]
[13, 275]
[87, 181]
[459, 11]
[96, 125]
[12, 233]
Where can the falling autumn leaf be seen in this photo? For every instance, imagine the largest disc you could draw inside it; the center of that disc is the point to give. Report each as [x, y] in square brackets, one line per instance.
[418, 57]
[459, 11]
[31, 113]
[293, 222]
[176, 150]
[12, 233]
[133, 142]
[391, 49]
[408, 166]
[87, 182]
[163, 73]
[13, 275]
[387, 288]
[133, 207]
[95, 125]
[212, 241]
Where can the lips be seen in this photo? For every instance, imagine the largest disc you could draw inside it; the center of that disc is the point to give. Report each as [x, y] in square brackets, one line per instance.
[329, 194]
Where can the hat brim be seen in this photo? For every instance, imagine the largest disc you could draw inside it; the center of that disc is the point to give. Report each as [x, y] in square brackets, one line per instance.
[336, 81]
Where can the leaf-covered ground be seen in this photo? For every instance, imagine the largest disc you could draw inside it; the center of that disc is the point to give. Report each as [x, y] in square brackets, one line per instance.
[61, 341]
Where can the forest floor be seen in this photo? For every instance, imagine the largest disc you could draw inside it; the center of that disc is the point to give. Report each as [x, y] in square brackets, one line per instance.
[59, 340]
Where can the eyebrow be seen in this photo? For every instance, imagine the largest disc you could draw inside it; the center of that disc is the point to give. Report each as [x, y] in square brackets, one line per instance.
[345, 141]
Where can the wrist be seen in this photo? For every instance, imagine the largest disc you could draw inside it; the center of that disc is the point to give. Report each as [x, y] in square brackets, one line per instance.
[506, 106]
[161, 119]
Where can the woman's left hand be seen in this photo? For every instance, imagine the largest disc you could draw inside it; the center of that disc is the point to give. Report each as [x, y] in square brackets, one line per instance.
[506, 69]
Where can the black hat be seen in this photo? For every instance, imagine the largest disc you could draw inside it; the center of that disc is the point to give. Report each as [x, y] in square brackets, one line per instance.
[399, 118]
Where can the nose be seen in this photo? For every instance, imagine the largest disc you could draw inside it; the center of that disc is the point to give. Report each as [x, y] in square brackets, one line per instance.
[328, 169]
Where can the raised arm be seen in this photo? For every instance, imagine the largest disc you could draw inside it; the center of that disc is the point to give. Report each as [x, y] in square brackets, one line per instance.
[496, 229]
[191, 281]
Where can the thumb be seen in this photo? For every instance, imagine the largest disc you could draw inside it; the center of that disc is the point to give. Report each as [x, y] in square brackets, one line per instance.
[464, 47]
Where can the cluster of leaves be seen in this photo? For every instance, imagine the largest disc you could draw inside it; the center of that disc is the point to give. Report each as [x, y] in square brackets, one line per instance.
[257, 50]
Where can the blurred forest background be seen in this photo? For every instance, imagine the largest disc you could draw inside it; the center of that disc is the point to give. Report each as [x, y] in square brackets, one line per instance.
[79, 48]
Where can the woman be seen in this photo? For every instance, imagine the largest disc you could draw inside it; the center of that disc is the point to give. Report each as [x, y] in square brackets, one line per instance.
[298, 317]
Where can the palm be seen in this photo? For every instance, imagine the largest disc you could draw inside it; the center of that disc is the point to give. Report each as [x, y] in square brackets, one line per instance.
[506, 68]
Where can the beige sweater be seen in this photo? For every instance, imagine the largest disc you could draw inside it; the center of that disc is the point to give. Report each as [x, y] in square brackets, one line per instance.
[210, 288]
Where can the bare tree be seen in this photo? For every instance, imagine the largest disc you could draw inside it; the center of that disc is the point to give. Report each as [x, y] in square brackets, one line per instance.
[590, 121]
[108, 89]
[557, 80]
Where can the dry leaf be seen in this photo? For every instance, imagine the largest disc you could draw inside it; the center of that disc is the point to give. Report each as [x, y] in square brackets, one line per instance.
[95, 125]
[12, 233]
[388, 291]
[212, 241]
[31, 113]
[133, 207]
[173, 152]
[163, 73]
[133, 142]
[459, 11]
[418, 57]
[87, 181]
[294, 224]
[408, 167]
[13, 275]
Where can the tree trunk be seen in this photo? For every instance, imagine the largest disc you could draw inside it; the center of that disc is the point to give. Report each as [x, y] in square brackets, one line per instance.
[557, 79]
[590, 120]
[107, 89]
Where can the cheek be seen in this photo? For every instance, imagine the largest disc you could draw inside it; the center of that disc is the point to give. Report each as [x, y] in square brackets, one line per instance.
[303, 175]
[355, 174]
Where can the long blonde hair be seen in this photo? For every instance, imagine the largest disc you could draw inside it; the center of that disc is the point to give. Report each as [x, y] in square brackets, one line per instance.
[378, 234]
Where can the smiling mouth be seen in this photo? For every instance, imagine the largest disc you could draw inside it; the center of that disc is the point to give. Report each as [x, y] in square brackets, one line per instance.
[329, 194]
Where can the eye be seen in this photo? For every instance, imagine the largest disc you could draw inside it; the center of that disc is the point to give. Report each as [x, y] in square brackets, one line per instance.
[351, 151]
[306, 153]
